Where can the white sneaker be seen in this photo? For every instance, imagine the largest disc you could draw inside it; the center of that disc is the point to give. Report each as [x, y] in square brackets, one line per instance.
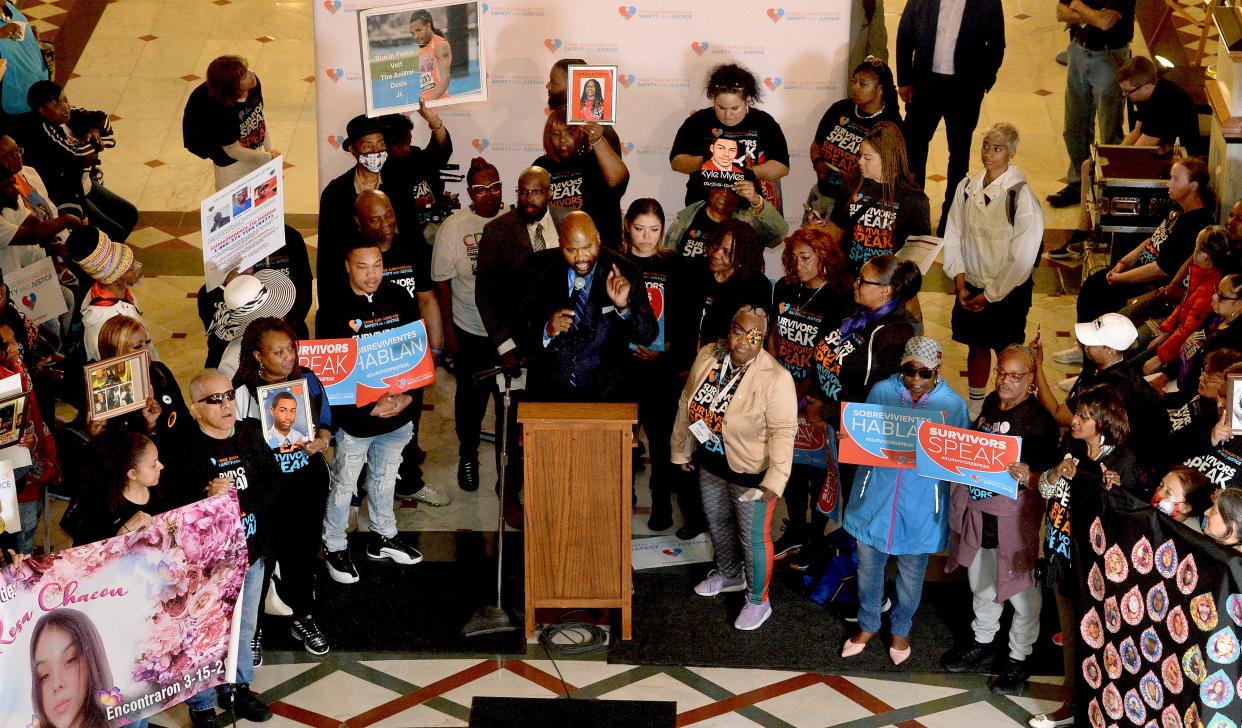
[432, 496]
[1068, 356]
[716, 583]
[274, 605]
[1065, 385]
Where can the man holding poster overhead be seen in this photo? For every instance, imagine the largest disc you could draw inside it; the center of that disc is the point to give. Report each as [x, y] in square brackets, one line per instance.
[374, 434]
[995, 537]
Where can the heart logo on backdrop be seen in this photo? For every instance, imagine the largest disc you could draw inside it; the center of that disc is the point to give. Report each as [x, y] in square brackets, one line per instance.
[627, 148]
[355, 324]
[700, 47]
[776, 14]
[485, 7]
[672, 552]
[29, 299]
[625, 79]
[335, 140]
[332, 5]
[552, 44]
[336, 74]
[772, 83]
[479, 144]
[627, 11]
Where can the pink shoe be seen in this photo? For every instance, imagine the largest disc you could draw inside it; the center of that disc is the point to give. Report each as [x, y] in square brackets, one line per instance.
[899, 656]
[852, 648]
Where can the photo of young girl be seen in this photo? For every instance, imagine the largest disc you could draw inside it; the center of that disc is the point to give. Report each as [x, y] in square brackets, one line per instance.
[68, 671]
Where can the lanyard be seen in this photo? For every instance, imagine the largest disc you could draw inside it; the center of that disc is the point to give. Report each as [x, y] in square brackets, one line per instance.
[727, 385]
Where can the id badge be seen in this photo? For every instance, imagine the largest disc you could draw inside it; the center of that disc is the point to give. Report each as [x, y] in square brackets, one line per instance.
[702, 432]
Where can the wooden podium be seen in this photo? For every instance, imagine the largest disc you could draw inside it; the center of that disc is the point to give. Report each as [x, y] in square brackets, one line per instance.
[578, 473]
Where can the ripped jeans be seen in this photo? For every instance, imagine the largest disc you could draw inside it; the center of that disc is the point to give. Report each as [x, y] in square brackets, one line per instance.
[382, 456]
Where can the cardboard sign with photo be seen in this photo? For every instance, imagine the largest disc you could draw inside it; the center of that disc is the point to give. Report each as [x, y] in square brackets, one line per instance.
[285, 415]
[118, 385]
[12, 418]
[721, 179]
[1235, 403]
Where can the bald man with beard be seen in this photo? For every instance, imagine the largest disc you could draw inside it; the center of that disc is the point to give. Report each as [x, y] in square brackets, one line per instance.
[587, 305]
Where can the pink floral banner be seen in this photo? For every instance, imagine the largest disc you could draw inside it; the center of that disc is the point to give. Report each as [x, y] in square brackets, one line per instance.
[119, 630]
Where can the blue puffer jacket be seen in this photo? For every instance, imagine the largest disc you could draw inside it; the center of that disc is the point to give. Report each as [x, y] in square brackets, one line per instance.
[892, 509]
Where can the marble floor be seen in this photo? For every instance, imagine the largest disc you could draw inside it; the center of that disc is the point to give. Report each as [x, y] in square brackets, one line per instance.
[140, 61]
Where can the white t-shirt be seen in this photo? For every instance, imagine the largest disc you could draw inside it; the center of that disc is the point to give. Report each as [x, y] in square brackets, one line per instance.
[454, 258]
[15, 257]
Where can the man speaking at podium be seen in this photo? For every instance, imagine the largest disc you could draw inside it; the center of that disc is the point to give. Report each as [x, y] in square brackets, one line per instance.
[584, 312]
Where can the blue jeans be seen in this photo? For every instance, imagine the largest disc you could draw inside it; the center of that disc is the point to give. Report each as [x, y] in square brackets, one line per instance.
[382, 456]
[29, 515]
[911, 568]
[1090, 89]
[252, 597]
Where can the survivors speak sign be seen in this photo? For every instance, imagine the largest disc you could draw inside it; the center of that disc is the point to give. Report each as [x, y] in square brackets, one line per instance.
[359, 371]
[119, 630]
[978, 459]
[878, 435]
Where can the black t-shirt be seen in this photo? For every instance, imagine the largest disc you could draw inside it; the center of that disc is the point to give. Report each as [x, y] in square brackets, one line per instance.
[840, 132]
[1118, 36]
[103, 521]
[1149, 421]
[578, 184]
[1169, 115]
[801, 314]
[663, 276]
[414, 181]
[874, 227]
[1219, 463]
[208, 126]
[1029, 420]
[759, 138]
[1174, 239]
[408, 264]
[693, 243]
[1190, 425]
[709, 403]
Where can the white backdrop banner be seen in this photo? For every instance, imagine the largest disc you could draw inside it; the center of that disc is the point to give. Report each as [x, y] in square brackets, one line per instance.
[664, 51]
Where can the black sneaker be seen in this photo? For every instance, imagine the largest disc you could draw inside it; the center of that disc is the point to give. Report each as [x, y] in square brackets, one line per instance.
[1067, 196]
[661, 518]
[688, 531]
[801, 559]
[341, 567]
[1012, 678]
[788, 544]
[1072, 251]
[247, 706]
[307, 632]
[205, 718]
[256, 646]
[382, 547]
[468, 475]
[964, 658]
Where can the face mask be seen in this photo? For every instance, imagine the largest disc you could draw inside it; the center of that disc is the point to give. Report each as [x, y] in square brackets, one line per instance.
[373, 161]
[1167, 506]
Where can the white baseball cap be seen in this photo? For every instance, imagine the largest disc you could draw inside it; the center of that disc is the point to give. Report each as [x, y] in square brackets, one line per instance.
[1112, 330]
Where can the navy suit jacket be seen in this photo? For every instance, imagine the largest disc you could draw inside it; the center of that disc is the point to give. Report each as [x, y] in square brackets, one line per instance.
[595, 354]
[980, 42]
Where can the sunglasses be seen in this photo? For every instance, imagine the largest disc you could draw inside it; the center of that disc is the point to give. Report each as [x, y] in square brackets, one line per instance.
[919, 372]
[218, 398]
[482, 189]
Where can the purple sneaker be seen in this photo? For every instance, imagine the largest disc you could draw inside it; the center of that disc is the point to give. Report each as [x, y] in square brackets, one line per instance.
[716, 583]
[753, 616]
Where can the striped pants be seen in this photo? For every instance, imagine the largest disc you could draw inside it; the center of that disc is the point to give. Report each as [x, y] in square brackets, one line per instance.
[741, 534]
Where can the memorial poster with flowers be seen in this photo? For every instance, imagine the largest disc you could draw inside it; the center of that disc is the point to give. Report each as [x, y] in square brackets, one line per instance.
[119, 630]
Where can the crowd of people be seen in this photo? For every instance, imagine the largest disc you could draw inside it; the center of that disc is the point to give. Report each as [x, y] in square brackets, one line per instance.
[734, 372]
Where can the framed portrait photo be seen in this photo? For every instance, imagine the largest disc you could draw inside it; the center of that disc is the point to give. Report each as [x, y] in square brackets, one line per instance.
[591, 95]
[285, 415]
[1234, 390]
[13, 418]
[419, 53]
[118, 385]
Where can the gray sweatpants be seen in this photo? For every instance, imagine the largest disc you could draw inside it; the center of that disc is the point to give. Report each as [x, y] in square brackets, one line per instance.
[1024, 629]
[740, 532]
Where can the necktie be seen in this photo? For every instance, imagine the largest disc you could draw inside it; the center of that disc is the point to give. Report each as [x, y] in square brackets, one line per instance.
[580, 322]
[540, 243]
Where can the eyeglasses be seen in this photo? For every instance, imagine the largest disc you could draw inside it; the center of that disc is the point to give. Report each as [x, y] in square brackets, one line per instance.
[919, 372]
[218, 398]
[864, 282]
[539, 192]
[484, 189]
[1014, 376]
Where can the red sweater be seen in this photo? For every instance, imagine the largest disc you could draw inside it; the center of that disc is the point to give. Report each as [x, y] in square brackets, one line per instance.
[1189, 314]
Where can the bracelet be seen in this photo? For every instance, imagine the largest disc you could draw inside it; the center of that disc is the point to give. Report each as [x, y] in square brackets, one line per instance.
[597, 141]
[438, 128]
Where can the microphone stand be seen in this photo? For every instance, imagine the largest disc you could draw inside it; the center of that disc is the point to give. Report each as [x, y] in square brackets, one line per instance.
[494, 619]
